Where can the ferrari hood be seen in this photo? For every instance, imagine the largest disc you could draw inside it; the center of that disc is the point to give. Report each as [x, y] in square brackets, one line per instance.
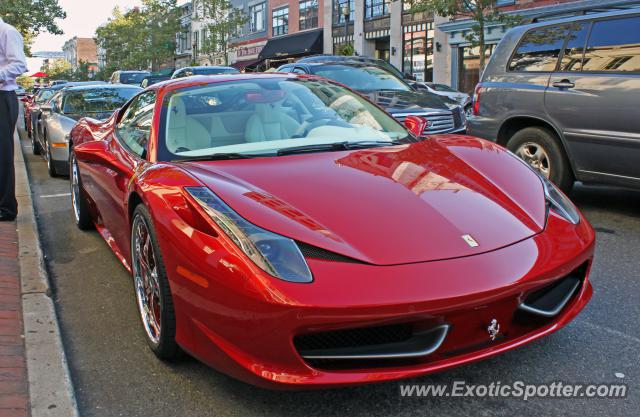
[441, 198]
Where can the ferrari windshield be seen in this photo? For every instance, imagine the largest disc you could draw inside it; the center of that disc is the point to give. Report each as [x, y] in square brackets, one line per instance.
[263, 116]
[99, 100]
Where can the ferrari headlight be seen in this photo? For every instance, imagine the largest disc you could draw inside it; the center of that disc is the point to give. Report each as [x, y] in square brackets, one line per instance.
[559, 202]
[277, 255]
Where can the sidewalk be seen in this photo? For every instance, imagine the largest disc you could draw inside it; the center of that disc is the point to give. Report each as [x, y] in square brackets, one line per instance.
[14, 395]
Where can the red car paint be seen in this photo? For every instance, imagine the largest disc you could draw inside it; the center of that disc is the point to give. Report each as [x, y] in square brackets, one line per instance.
[399, 210]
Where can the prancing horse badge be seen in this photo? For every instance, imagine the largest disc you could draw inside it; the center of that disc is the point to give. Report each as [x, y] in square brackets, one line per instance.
[470, 241]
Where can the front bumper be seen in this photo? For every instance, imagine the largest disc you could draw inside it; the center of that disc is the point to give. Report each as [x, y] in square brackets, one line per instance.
[242, 322]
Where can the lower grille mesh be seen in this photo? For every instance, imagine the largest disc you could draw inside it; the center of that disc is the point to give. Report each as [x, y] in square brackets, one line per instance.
[354, 337]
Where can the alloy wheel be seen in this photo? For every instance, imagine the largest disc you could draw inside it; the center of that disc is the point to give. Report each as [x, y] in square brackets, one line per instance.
[147, 285]
[536, 156]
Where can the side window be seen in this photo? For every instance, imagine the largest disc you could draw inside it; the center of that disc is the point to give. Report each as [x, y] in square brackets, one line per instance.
[134, 128]
[573, 51]
[614, 45]
[539, 50]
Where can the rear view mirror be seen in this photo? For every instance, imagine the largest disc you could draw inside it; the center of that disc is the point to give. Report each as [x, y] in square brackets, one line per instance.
[416, 125]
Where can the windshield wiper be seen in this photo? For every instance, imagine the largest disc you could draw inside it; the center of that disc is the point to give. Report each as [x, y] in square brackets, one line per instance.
[217, 157]
[338, 146]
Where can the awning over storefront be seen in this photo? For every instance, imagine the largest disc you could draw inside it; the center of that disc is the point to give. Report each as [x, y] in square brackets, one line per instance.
[303, 43]
[248, 64]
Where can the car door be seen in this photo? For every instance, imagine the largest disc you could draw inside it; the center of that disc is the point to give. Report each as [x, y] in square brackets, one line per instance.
[126, 149]
[593, 99]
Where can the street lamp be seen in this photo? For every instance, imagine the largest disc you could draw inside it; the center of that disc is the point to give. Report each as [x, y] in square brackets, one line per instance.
[345, 13]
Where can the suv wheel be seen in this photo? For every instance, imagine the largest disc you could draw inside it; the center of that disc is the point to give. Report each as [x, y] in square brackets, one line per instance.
[539, 148]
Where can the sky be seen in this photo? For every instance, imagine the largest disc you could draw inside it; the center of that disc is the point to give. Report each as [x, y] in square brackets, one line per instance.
[83, 17]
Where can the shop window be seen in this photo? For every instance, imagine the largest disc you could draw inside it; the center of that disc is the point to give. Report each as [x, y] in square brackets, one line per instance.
[469, 66]
[338, 16]
[308, 14]
[376, 8]
[280, 21]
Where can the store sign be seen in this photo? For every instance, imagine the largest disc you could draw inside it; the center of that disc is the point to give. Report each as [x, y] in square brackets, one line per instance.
[249, 50]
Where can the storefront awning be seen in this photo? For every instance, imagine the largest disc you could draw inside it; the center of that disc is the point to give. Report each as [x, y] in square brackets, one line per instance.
[248, 64]
[303, 43]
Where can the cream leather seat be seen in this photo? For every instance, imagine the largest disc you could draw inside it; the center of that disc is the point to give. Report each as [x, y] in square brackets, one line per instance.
[269, 123]
[185, 131]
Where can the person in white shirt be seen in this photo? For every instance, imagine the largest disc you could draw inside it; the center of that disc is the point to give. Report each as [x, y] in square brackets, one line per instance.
[12, 64]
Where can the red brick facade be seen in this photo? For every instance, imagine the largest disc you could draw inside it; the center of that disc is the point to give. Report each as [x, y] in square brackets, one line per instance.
[294, 14]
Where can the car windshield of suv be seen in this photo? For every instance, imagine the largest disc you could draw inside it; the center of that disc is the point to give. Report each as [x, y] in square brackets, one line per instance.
[100, 100]
[215, 71]
[361, 78]
[133, 77]
[265, 116]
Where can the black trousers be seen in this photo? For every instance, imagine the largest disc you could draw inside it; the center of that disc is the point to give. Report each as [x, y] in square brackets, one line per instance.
[8, 118]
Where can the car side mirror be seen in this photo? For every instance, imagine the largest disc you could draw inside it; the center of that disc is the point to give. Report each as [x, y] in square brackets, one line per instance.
[416, 125]
[46, 108]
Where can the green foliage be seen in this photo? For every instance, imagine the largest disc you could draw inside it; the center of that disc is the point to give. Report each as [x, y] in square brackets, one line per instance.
[141, 37]
[346, 49]
[58, 69]
[25, 82]
[483, 12]
[222, 22]
[32, 17]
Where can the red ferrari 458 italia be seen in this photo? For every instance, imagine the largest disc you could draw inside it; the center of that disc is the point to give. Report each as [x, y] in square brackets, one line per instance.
[288, 232]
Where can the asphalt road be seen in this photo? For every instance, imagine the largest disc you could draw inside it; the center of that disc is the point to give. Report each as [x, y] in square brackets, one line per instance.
[115, 374]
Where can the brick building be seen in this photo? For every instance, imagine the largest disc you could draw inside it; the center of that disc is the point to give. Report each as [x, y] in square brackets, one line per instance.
[80, 49]
[294, 30]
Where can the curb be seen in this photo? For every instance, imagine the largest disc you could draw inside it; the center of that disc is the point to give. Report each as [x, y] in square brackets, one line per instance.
[50, 388]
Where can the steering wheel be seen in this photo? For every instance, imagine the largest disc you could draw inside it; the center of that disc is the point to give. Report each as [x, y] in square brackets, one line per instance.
[317, 121]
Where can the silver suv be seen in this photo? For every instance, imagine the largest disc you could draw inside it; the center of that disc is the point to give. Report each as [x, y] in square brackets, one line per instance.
[565, 97]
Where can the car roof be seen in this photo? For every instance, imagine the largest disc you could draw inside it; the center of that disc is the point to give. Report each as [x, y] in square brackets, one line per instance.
[199, 80]
[100, 87]
[206, 67]
[580, 18]
[132, 71]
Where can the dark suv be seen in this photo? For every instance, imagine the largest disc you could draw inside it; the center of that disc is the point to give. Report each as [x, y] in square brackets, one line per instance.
[389, 92]
[564, 96]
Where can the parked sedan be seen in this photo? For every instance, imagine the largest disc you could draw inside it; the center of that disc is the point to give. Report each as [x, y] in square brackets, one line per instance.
[390, 92]
[444, 90]
[203, 70]
[288, 232]
[64, 109]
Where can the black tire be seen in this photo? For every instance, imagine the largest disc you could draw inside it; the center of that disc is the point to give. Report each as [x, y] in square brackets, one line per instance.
[79, 205]
[51, 167]
[557, 164]
[165, 347]
[35, 145]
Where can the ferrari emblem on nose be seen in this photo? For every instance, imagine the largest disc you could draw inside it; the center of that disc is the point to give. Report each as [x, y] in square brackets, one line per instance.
[470, 241]
[493, 329]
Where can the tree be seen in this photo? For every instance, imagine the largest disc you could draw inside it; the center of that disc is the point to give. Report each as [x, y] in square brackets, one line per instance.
[25, 82]
[31, 17]
[222, 21]
[483, 12]
[140, 38]
[58, 69]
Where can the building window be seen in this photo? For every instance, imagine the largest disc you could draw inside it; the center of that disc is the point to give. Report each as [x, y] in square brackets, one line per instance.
[308, 14]
[376, 8]
[338, 16]
[257, 17]
[418, 52]
[280, 21]
[469, 66]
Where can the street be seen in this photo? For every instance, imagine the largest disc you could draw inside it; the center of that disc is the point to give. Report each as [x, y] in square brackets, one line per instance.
[115, 374]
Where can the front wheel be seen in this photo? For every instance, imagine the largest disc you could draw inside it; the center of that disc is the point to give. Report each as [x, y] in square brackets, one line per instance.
[540, 148]
[79, 203]
[151, 285]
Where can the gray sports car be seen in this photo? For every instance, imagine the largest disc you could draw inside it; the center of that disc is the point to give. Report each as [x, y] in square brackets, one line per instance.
[65, 108]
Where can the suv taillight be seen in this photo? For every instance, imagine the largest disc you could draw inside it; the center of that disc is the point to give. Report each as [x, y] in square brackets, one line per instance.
[476, 99]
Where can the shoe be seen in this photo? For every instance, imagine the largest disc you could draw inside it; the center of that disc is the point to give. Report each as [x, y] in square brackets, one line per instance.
[6, 218]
